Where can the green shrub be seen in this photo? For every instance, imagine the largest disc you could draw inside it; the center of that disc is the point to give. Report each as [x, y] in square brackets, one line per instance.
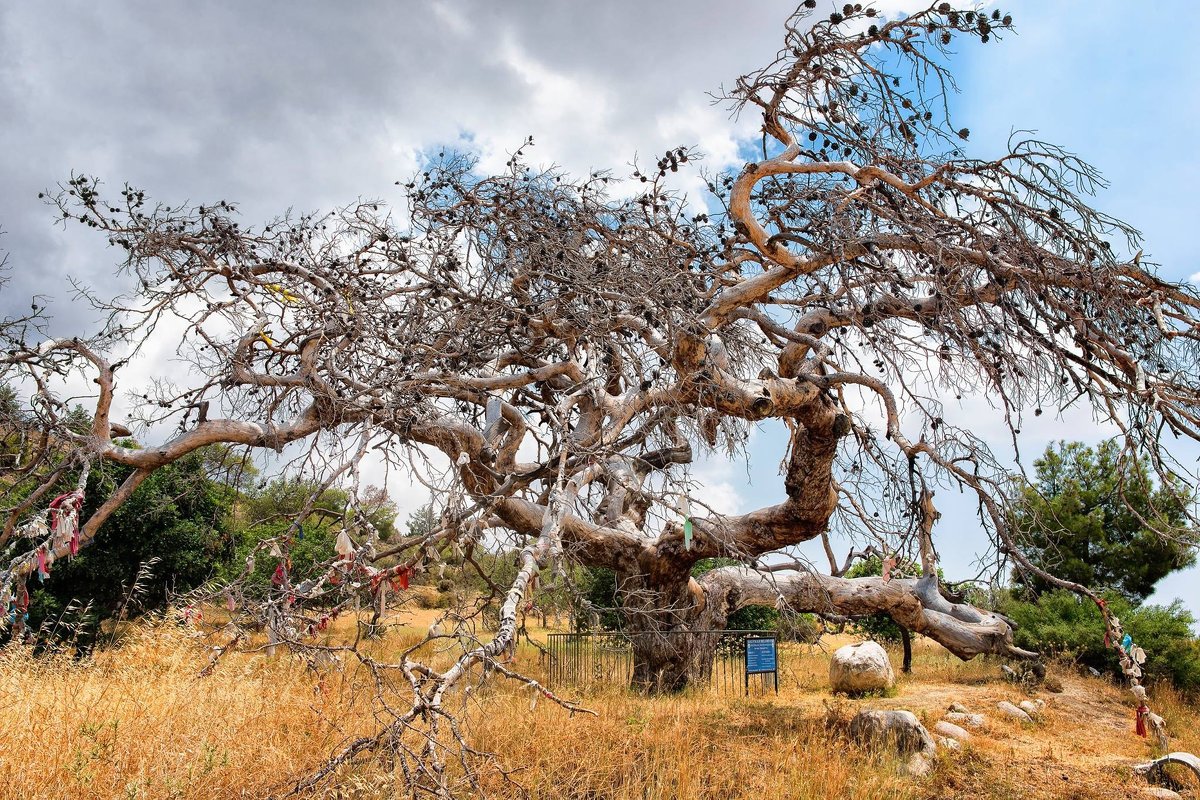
[597, 606]
[753, 618]
[1060, 624]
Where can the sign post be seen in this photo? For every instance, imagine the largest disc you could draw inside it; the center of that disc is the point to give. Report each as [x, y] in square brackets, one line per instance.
[761, 658]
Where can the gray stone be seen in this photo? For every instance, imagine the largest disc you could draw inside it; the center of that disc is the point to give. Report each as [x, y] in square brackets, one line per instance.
[860, 668]
[1031, 708]
[959, 708]
[970, 720]
[918, 766]
[1160, 792]
[1012, 712]
[900, 730]
[951, 730]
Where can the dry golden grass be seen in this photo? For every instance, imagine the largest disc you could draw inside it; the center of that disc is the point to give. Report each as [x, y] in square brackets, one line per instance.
[136, 722]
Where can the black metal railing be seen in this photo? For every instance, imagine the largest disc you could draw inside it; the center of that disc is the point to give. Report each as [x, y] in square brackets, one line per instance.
[580, 660]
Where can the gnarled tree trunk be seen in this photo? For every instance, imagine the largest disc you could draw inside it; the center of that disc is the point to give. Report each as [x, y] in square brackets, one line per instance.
[660, 618]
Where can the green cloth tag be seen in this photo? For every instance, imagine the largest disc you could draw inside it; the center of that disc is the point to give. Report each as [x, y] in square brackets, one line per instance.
[687, 533]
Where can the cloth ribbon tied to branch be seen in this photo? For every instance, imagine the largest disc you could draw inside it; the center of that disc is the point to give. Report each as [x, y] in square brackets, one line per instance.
[685, 510]
[889, 564]
[344, 546]
[64, 521]
[1131, 658]
[18, 610]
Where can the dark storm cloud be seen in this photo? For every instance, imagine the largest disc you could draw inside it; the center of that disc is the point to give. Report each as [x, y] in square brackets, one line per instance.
[306, 105]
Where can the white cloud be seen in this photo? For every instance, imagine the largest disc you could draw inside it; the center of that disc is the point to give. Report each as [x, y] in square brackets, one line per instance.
[316, 107]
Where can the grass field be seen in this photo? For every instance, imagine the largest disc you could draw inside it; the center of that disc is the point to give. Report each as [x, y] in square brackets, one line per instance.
[136, 721]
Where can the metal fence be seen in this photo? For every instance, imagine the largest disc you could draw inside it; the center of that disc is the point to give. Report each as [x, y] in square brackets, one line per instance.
[579, 660]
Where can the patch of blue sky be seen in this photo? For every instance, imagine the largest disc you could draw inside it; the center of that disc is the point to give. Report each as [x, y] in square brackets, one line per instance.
[1101, 81]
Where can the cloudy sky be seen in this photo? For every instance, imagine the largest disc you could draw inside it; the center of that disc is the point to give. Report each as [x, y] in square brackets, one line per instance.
[308, 105]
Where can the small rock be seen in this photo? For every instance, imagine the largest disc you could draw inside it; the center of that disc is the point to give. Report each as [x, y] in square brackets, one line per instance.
[970, 720]
[949, 729]
[949, 744]
[1161, 793]
[918, 766]
[1032, 709]
[1095, 673]
[860, 668]
[959, 708]
[1011, 711]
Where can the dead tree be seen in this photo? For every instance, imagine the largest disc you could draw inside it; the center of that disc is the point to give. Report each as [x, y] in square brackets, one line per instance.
[551, 352]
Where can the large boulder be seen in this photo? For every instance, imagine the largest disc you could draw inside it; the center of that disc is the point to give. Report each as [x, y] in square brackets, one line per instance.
[860, 668]
[897, 730]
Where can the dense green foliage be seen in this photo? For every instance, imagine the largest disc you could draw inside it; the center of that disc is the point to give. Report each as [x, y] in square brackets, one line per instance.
[177, 517]
[271, 510]
[1095, 518]
[1091, 517]
[1061, 623]
[598, 607]
[190, 521]
[880, 627]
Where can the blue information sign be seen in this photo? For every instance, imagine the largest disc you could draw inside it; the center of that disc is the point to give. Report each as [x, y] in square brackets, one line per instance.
[761, 659]
[760, 655]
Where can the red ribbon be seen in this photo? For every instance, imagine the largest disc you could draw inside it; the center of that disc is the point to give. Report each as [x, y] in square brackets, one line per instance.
[69, 500]
[56, 502]
[1142, 711]
[397, 580]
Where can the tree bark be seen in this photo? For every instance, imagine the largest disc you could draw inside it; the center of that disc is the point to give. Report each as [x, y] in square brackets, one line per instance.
[915, 604]
[661, 663]
[661, 619]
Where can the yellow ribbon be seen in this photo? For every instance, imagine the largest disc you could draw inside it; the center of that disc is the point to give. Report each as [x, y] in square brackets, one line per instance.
[282, 292]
